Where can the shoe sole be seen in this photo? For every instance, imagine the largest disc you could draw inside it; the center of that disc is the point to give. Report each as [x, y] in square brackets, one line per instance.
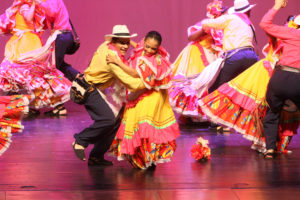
[79, 152]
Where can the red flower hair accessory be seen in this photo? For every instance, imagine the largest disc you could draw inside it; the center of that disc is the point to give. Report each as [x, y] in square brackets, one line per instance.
[214, 9]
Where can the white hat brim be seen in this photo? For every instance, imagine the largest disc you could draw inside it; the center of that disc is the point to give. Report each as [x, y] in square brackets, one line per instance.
[297, 20]
[110, 36]
[232, 10]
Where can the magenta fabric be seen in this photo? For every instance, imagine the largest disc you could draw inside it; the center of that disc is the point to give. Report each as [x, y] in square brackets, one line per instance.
[57, 13]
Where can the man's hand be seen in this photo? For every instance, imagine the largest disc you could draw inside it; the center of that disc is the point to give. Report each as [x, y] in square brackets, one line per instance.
[113, 59]
[280, 4]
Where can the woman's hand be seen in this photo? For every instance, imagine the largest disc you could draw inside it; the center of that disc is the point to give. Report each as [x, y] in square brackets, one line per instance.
[280, 4]
[113, 59]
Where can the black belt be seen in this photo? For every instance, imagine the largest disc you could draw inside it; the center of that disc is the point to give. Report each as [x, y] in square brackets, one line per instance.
[288, 68]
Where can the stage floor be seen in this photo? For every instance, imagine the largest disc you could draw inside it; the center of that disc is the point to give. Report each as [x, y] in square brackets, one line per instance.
[40, 164]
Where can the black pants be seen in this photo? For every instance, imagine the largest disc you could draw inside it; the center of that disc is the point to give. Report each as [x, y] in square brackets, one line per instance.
[64, 44]
[233, 66]
[283, 85]
[102, 132]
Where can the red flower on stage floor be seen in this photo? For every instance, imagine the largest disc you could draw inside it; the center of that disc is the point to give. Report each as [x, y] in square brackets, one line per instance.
[200, 150]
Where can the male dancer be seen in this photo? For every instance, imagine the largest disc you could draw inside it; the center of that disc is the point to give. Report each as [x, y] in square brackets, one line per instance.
[284, 83]
[58, 19]
[237, 41]
[103, 107]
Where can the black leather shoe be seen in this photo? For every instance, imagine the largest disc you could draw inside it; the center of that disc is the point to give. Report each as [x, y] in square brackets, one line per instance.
[152, 167]
[58, 111]
[78, 151]
[32, 114]
[99, 162]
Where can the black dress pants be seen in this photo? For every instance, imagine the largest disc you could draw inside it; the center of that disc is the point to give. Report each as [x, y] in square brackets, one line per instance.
[234, 65]
[64, 44]
[102, 132]
[283, 85]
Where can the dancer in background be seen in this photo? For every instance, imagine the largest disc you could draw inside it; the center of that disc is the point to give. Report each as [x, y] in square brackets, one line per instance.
[283, 84]
[241, 103]
[203, 48]
[202, 51]
[59, 22]
[238, 45]
[25, 20]
[148, 130]
[237, 41]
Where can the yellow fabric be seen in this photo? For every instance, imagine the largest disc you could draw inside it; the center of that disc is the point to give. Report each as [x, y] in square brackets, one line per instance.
[153, 109]
[244, 82]
[17, 45]
[207, 42]
[103, 75]
[236, 32]
[189, 61]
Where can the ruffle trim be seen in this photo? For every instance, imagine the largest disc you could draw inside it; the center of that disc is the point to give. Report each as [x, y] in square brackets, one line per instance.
[184, 101]
[240, 115]
[10, 122]
[7, 20]
[246, 101]
[5, 139]
[155, 71]
[50, 88]
[156, 135]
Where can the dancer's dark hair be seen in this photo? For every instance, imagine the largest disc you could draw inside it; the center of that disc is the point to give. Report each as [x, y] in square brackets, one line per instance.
[155, 35]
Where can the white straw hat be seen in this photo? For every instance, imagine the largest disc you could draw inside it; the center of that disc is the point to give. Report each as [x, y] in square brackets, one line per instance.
[119, 31]
[241, 6]
[297, 20]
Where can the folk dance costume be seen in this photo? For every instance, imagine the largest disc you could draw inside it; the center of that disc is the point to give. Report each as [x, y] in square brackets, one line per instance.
[58, 21]
[148, 129]
[104, 103]
[198, 54]
[191, 62]
[18, 74]
[237, 43]
[12, 108]
[240, 103]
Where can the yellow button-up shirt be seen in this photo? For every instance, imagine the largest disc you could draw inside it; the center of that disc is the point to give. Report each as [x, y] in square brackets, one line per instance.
[236, 32]
[104, 75]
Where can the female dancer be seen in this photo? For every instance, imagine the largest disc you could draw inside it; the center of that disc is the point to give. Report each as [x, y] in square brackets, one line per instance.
[283, 83]
[202, 51]
[203, 48]
[25, 20]
[148, 130]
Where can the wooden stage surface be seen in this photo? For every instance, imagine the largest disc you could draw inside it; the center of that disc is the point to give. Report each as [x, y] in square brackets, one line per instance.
[40, 165]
